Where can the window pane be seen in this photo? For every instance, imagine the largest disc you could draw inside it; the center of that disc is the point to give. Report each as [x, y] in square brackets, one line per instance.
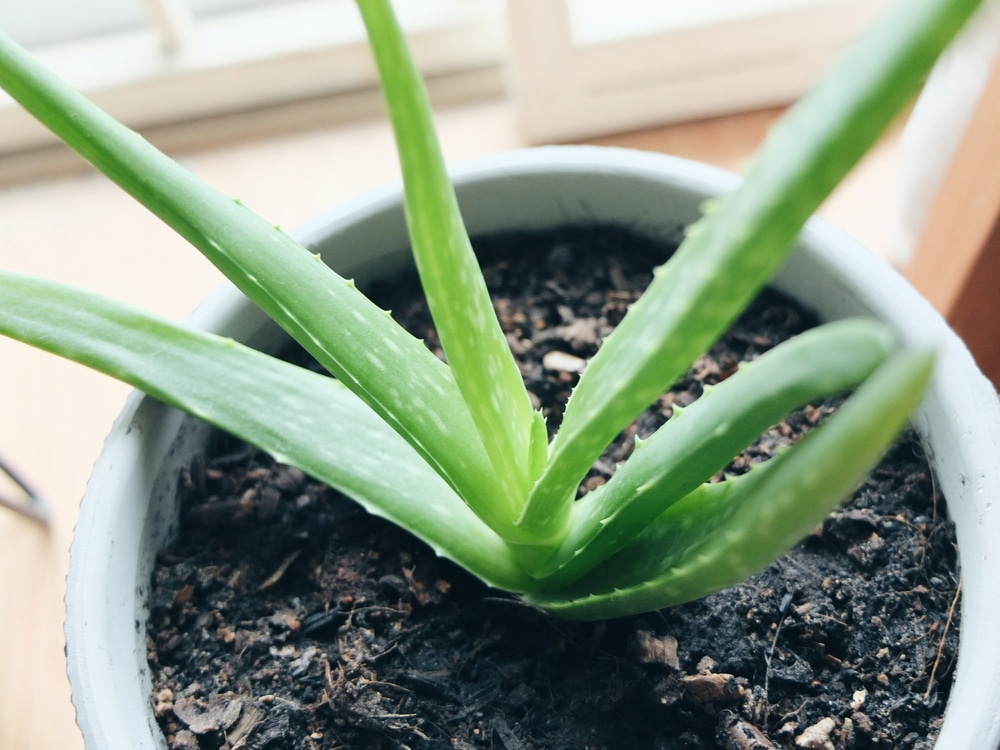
[598, 21]
[38, 22]
[216, 7]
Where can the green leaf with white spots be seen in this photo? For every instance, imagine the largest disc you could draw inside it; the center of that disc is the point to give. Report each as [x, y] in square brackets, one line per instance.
[744, 238]
[700, 440]
[350, 336]
[303, 419]
[460, 305]
[720, 534]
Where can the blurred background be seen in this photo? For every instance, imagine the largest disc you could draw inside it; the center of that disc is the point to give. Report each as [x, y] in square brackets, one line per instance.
[275, 102]
[183, 69]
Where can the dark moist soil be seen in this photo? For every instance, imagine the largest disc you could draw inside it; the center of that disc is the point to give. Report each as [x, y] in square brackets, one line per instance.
[286, 618]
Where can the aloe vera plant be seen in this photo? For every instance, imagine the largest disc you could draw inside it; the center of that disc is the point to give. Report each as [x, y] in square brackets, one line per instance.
[454, 452]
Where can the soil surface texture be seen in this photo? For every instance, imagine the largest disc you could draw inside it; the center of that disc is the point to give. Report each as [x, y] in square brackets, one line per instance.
[286, 618]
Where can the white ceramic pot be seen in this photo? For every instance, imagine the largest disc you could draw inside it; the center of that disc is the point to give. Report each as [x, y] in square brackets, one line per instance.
[130, 508]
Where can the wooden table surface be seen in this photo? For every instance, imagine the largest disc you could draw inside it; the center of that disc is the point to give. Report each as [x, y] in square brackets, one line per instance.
[78, 228]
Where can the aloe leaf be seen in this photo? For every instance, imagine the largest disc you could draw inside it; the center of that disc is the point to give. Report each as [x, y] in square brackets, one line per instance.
[745, 237]
[347, 334]
[460, 304]
[301, 418]
[701, 439]
[720, 534]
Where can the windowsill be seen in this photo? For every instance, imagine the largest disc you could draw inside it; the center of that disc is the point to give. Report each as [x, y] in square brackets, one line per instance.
[261, 71]
[582, 68]
[49, 158]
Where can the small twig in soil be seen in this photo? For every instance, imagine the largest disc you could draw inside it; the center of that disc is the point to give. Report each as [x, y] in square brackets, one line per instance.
[944, 634]
[789, 716]
[280, 572]
[934, 498]
[831, 618]
[336, 687]
[786, 600]
[392, 685]
[392, 647]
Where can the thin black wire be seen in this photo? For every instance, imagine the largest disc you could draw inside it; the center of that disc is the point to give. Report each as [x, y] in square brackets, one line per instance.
[33, 506]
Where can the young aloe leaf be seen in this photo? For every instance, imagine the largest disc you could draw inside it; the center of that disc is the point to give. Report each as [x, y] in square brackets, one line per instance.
[720, 534]
[700, 440]
[459, 302]
[745, 237]
[347, 334]
[301, 418]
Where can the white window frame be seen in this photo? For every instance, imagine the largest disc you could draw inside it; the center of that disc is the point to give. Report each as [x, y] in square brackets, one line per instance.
[701, 65]
[183, 70]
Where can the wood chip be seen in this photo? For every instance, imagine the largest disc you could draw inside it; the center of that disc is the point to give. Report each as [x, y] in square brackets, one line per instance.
[201, 717]
[251, 717]
[648, 649]
[713, 688]
[184, 595]
[736, 734]
[563, 362]
[817, 737]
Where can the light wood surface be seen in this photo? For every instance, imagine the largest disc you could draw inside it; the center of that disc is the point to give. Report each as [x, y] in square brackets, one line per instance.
[957, 260]
[54, 415]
